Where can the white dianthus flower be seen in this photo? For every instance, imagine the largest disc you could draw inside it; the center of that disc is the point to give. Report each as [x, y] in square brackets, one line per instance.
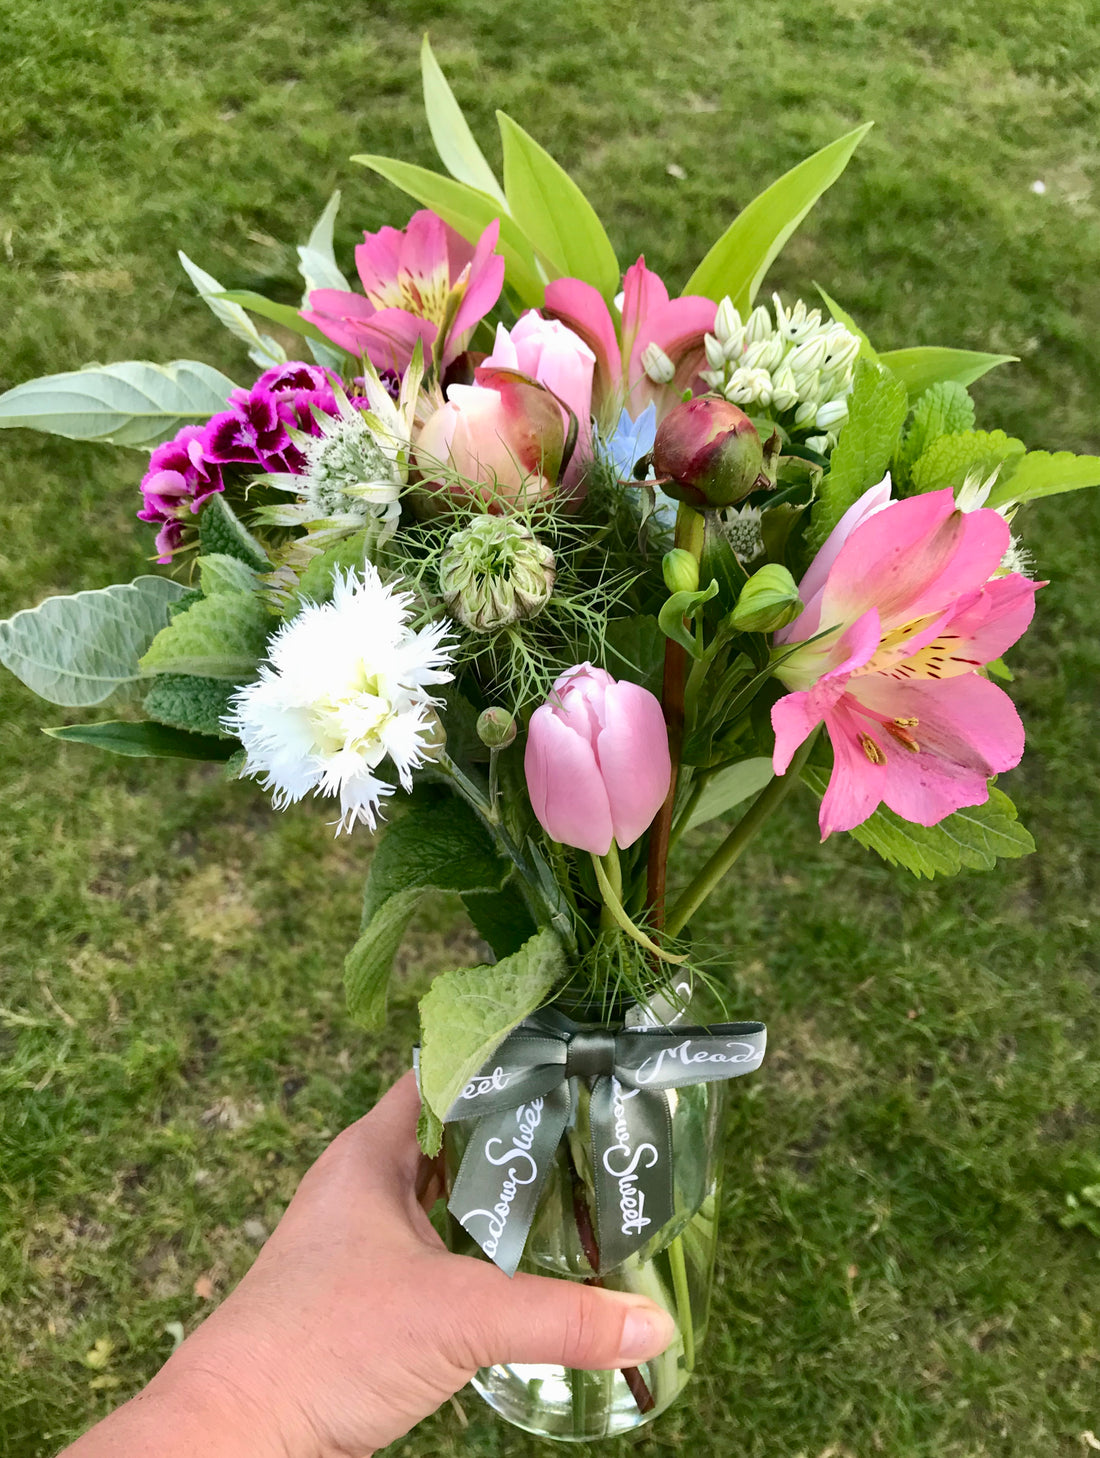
[346, 685]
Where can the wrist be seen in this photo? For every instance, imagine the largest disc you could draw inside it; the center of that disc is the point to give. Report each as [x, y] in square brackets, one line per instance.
[229, 1407]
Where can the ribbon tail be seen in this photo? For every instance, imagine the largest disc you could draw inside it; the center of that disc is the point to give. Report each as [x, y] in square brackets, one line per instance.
[500, 1179]
[632, 1164]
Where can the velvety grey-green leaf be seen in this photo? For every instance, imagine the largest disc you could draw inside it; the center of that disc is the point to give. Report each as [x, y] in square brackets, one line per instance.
[145, 741]
[262, 349]
[367, 966]
[970, 839]
[186, 701]
[131, 404]
[223, 636]
[731, 787]
[79, 650]
[466, 1014]
[219, 572]
[877, 408]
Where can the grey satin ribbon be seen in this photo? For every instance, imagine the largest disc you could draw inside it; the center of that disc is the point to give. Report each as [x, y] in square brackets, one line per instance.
[523, 1098]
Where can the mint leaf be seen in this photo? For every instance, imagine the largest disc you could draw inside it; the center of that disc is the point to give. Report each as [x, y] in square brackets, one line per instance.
[466, 1014]
[79, 650]
[944, 409]
[948, 460]
[223, 636]
[316, 582]
[186, 701]
[220, 531]
[219, 572]
[1040, 473]
[877, 408]
[970, 839]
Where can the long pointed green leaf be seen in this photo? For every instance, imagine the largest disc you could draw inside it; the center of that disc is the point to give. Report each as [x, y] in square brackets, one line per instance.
[454, 141]
[469, 212]
[925, 365]
[262, 349]
[316, 259]
[554, 214]
[737, 263]
[284, 314]
[866, 348]
[146, 741]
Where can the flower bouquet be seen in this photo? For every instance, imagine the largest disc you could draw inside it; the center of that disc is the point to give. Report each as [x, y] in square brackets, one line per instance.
[540, 568]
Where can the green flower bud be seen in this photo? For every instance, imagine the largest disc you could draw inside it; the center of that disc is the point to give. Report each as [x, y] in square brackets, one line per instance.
[494, 572]
[707, 453]
[496, 728]
[680, 570]
[768, 601]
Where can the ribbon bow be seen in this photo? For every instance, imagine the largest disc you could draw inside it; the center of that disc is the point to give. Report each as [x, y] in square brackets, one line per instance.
[523, 1098]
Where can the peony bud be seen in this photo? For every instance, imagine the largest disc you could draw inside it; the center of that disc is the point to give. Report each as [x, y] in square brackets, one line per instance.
[494, 572]
[707, 453]
[597, 760]
[496, 728]
[769, 600]
[680, 571]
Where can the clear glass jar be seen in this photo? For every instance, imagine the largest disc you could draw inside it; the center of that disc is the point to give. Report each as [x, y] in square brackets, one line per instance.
[675, 1269]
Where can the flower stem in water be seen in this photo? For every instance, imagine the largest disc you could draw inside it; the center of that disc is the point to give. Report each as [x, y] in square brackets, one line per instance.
[683, 1300]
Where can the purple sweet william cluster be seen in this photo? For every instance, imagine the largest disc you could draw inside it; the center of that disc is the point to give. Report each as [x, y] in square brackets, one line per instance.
[250, 434]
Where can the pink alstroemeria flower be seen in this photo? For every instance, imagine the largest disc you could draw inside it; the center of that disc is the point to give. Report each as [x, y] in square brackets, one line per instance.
[408, 279]
[655, 355]
[905, 596]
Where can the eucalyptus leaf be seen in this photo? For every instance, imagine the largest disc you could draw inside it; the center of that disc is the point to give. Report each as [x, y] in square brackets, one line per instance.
[458, 151]
[262, 349]
[80, 650]
[737, 263]
[146, 741]
[131, 404]
[925, 365]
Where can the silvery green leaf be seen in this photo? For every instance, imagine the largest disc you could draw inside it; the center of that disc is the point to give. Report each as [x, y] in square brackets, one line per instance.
[79, 650]
[223, 636]
[262, 349]
[316, 259]
[131, 404]
[729, 788]
[218, 572]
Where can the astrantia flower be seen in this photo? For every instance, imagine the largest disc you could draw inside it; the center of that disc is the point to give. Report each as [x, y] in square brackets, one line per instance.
[346, 686]
[904, 606]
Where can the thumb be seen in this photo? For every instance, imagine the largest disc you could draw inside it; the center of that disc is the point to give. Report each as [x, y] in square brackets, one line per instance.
[539, 1319]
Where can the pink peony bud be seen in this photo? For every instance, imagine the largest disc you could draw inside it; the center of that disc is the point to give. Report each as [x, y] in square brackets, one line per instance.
[707, 453]
[597, 760]
[503, 435]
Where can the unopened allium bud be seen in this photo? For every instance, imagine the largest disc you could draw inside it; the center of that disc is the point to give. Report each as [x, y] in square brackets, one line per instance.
[716, 354]
[707, 452]
[768, 601]
[808, 359]
[833, 412]
[727, 323]
[784, 389]
[680, 570]
[765, 354]
[759, 325]
[806, 414]
[496, 728]
[657, 364]
[494, 572]
[747, 387]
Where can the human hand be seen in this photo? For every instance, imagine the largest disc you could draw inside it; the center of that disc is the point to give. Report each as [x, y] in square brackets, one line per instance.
[355, 1322]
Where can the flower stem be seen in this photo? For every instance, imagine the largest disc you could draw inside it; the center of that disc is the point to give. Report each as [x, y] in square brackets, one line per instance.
[613, 914]
[769, 799]
[683, 1300]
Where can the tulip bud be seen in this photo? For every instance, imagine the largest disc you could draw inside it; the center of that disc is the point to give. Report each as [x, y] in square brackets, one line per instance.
[496, 728]
[769, 600]
[494, 572]
[707, 453]
[680, 571]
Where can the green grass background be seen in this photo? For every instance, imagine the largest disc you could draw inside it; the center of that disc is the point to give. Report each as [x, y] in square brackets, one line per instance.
[174, 1051]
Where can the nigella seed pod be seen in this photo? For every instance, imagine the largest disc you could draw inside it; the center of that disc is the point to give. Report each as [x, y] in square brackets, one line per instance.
[494, 572]
[707, 452]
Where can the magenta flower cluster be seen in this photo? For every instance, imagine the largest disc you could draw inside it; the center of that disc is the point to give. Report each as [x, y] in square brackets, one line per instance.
[251, 434]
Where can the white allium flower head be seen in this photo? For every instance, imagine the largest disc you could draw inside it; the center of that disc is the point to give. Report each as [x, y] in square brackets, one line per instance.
[345, 686]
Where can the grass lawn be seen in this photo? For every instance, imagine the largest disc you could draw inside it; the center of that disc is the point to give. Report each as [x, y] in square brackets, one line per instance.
[896, 1275]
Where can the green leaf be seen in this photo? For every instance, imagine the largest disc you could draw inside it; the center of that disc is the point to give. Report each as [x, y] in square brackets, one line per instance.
[285, 314]
[219, 572]
[929, 364]
[683, 605]
[553, 213]
[186, 701]
[971, 839]
[634, 648]
[316, 582]
[943, 409]
[729, 788]
[877, 407]
[1041, 473]
[145, 741]
[224, 636]
[316, 258]
[438, 846]
[458, 151]
[79, 650]
[948, 460]
[262, 349]
[501, 918]
[469, 212]
[737, 263]
[132, 404]
[465, 1015]
[866, 348]
[222, 533]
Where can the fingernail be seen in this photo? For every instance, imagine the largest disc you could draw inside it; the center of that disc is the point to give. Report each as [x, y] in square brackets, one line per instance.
[647, 1331]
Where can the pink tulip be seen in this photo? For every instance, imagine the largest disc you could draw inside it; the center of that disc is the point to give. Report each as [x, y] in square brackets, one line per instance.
[597, 760]
[908, 607]
[655, 332]
[503, 435]
[410, 282]
[559, 359]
